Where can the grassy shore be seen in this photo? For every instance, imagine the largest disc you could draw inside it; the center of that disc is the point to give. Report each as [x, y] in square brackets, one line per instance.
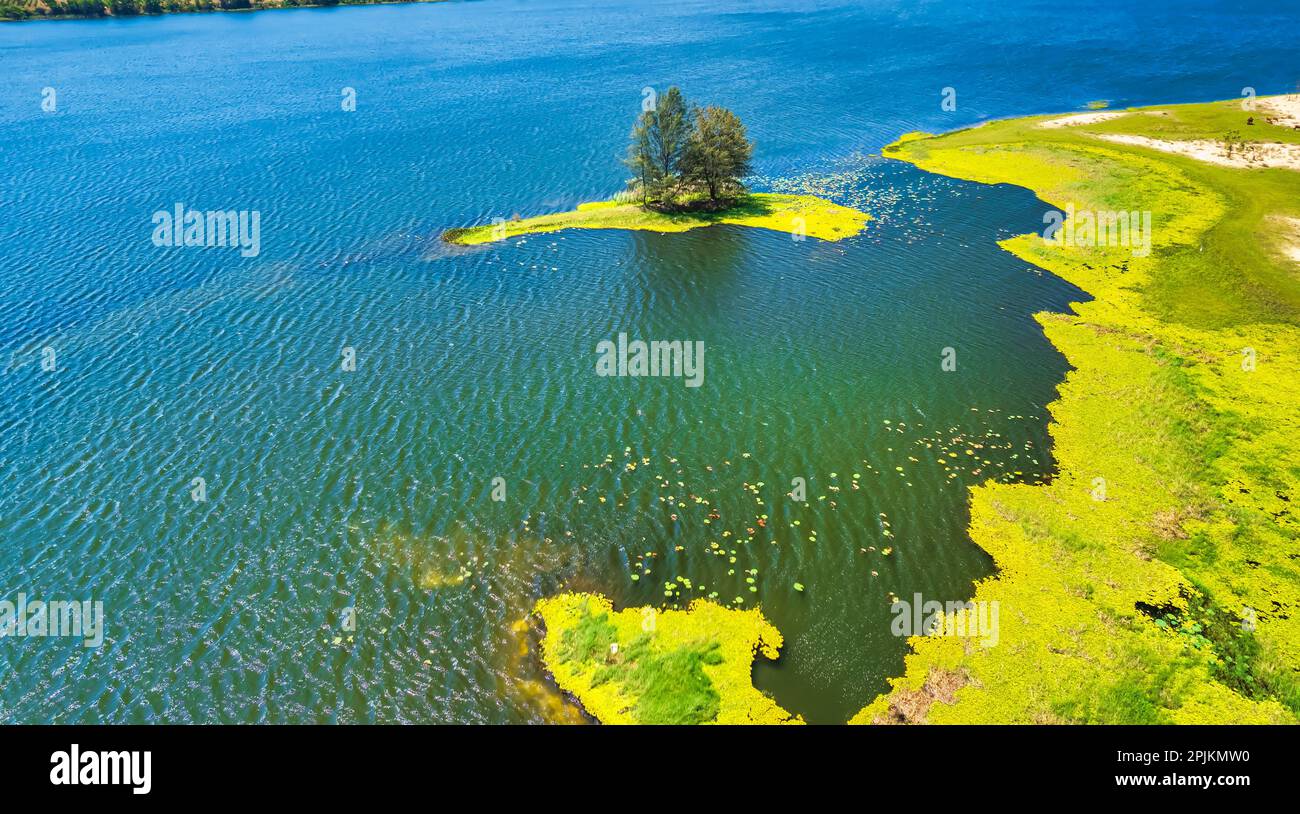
[642, 665]
[1156, 579]
[813, 216]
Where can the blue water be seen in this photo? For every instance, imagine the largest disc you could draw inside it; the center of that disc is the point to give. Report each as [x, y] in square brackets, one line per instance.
[330, 490]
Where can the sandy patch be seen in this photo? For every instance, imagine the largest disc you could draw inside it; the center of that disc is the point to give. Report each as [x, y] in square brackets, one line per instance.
[1284, 111]
[1290, 229]
[1083, 118]
[1251, 155]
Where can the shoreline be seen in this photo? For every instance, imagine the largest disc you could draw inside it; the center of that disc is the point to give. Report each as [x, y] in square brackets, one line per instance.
[1118, 615]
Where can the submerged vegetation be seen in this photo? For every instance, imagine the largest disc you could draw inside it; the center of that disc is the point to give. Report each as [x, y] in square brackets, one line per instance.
[1156, 578]
[642, 665]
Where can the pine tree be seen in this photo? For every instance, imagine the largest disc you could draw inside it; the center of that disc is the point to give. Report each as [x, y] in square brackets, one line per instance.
[718, 153]
[673, 152]
[658, 142]
[668, 137]
[640, 157]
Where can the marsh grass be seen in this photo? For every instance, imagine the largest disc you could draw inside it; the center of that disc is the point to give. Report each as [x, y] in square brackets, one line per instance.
[668, 688]
[817, 217]
[640, 665]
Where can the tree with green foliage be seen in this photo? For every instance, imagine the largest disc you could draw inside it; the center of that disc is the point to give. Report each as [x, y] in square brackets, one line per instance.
[658, 141]
[669, 135]
[717, 155]
[676, 156]
[640, 157]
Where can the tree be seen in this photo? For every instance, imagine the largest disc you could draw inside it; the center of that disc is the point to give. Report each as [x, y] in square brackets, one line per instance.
[658, 141]
[673, 152]
[640, 156]
[717, 153]
[669, 135]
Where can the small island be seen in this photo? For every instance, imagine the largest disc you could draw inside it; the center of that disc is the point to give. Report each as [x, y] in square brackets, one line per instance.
[649, 666]
[687, 172]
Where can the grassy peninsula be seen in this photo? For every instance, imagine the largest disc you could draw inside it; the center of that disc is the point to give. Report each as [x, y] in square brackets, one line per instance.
[642, 665]
[806, 214]
[1156, 579]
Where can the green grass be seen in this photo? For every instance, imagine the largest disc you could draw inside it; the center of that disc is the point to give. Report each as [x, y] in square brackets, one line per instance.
[668, 688]
[642, 665]
[1232, 273]
[588, 640]
[815, 217]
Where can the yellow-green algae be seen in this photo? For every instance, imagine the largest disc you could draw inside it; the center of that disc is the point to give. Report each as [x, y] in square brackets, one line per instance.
[815, 217]
[643, 665]
[1157, 578]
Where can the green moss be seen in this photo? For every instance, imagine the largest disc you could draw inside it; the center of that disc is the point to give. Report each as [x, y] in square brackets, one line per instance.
[813, 216]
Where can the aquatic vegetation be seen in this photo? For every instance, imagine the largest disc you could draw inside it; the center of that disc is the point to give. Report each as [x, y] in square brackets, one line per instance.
[531, 692]
[689, 502]
[796, 214]
[1154, 578]
[431, 579]
[643, 665]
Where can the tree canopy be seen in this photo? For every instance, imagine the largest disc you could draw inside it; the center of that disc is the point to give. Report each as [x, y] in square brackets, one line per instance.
[680, 159]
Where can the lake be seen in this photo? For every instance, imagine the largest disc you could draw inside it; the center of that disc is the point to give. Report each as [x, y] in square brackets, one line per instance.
[279, 536]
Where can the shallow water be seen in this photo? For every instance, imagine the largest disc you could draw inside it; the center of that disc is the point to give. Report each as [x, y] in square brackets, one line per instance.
[371, 489]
